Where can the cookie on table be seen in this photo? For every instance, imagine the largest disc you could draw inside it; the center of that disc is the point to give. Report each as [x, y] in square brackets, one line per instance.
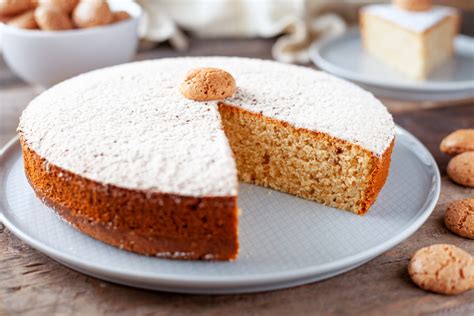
[459, 218]
[461, 169]
[458, 142]
[442, 268]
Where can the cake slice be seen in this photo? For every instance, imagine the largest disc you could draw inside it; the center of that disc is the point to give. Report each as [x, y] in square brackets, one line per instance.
[412, 42]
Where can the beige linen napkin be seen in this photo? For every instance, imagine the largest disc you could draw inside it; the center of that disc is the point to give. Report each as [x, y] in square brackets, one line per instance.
[298, 22]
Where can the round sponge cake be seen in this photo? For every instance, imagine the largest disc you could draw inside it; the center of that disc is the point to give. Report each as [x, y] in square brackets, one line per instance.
[120, 154]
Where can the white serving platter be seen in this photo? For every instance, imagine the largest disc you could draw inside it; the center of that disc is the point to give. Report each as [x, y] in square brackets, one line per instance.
[285, 241]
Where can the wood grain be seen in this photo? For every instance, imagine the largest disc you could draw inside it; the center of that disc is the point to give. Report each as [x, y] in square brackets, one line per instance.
[33, 284]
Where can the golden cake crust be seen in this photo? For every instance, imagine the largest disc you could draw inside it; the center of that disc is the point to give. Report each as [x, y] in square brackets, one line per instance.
[378, 177]
[155, 224]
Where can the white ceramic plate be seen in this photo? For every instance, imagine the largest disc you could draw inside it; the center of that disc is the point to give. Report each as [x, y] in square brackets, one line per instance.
[285, 240]
[344, 56]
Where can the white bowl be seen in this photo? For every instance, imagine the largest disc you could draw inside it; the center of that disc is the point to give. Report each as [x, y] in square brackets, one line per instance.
[46, 58]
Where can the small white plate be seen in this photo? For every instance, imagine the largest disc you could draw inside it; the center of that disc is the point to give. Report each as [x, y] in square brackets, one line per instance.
[344, 56]
[285, 241]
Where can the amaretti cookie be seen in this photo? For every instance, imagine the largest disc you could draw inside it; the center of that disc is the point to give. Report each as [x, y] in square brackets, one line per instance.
[461, 169]
[442, 268]
[458, 142]
[459, 218]
[207, 84]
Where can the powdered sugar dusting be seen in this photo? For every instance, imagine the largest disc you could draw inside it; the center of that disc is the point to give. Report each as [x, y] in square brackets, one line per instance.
[129, 126]
[313, 100]
[418, 21]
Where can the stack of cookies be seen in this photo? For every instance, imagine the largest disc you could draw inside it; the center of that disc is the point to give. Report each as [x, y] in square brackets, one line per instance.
[459, 217]
[460, 145]
[442, 268]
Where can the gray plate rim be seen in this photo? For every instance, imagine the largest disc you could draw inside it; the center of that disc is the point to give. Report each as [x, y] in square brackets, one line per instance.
[216, 282]
[317, 56]
[230, 289]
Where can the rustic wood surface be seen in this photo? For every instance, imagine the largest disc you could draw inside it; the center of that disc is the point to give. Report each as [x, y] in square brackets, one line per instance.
[33, 284]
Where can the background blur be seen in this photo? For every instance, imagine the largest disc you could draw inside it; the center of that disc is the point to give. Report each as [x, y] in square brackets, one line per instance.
[294, 24]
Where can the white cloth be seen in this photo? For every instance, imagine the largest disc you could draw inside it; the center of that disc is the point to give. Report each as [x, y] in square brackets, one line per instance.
[299, 22]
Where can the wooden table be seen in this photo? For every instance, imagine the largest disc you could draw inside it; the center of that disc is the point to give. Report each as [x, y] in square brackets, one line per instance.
[33, 284]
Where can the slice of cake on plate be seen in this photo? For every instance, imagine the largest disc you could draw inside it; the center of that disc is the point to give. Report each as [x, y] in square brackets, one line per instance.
[411, 36]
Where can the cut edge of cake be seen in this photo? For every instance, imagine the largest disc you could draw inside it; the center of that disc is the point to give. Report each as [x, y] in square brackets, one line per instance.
[309, 164]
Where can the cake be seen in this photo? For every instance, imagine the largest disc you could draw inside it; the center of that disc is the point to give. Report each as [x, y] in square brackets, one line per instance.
[123, 156]
[410, 36]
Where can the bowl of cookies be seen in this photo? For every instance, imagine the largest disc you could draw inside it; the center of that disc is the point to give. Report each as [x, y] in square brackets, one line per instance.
[47, 41]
